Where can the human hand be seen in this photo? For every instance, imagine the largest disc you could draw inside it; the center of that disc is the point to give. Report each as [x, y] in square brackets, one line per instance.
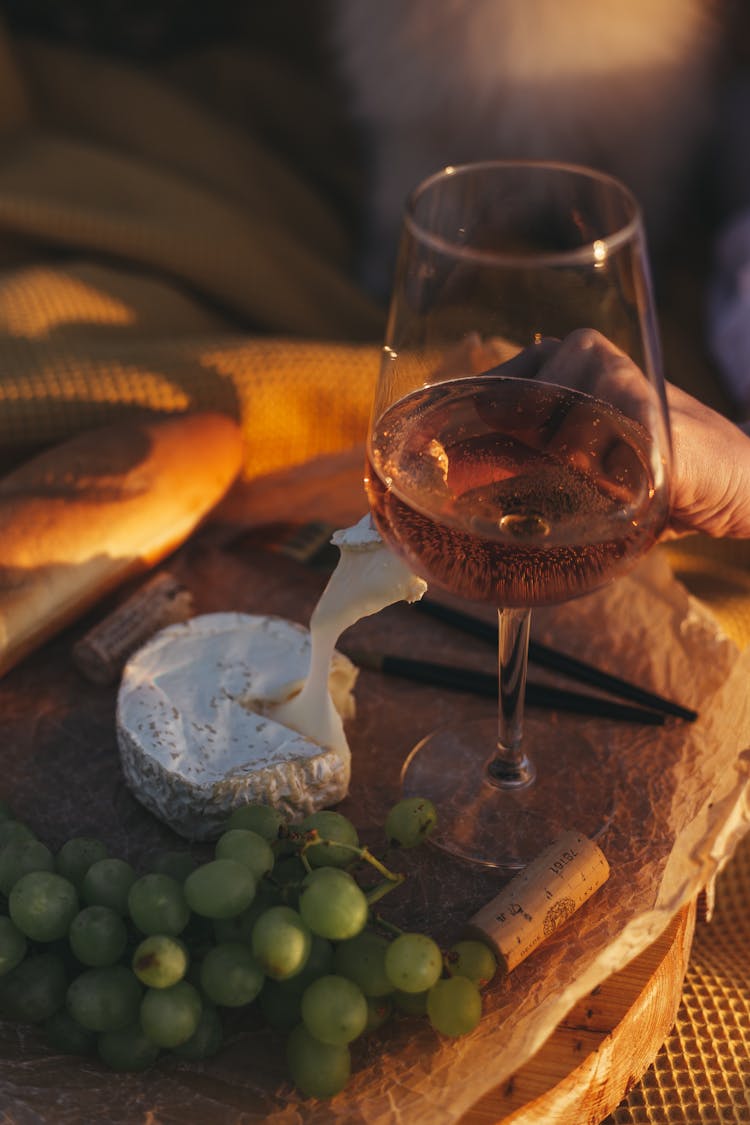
[710, 489]
[711, 474]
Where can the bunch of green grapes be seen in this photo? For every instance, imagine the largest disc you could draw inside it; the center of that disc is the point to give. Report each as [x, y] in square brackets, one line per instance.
[130, 966]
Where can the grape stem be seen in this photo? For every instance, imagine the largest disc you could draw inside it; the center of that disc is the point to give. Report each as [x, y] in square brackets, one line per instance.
[389, 927]
[394, 877]
[380, 889]
[313, 838]
[390, 879]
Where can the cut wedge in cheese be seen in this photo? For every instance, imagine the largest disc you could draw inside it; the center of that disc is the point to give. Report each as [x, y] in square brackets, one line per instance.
[231, 708]
[194, 731]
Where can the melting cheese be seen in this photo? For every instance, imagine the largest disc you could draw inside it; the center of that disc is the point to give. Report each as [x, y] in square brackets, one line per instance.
[367, 578]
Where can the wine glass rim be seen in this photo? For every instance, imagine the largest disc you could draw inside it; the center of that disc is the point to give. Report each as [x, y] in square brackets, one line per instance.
[597, 250]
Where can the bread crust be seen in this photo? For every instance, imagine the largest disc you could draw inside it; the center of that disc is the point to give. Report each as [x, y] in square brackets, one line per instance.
[86, 515]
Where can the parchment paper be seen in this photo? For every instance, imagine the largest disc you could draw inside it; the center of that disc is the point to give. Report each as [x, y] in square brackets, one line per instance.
[681, 807]
[681, 804]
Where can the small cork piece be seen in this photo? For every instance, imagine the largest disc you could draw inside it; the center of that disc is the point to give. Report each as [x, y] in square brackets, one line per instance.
[101, 654]
[541, 898]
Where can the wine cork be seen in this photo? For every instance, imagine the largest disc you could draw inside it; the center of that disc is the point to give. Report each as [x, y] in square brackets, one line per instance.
[101, 654]
[541, 898]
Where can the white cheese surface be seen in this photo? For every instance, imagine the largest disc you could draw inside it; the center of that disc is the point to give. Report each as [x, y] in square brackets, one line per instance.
[193, 734]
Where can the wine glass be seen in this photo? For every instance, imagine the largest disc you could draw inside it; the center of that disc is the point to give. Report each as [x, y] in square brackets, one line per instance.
[518, 455]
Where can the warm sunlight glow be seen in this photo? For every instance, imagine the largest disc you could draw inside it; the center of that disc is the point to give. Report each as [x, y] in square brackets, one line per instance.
[600, 252]
[41, 301]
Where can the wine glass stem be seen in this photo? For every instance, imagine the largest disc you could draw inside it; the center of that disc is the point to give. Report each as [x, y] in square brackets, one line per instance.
[511, 768]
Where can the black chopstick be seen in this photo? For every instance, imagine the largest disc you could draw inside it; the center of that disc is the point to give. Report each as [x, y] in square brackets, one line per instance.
[310, 543]
[484, 684]
[550, 658]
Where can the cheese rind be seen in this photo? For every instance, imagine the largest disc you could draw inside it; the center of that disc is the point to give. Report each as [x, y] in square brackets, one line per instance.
[193, 736]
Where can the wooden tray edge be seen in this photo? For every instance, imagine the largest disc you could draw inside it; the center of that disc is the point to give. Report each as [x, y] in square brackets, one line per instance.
[603, 1046]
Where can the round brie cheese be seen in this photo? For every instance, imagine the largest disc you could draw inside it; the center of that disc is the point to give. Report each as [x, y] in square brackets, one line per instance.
[193, 731]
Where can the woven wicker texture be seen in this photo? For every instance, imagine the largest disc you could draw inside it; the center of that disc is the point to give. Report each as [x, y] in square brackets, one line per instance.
[153, 254]
[702, 1073]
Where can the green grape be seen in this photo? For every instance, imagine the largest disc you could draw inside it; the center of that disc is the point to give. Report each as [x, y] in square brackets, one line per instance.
[279, 1000]
[98, 936]
[43, 904]
[454, 1006]
[334, 830]
[207, 1038]
[19, 857]
[157, 905]
[222, 888]
[334, 1010]
[107, 883]
[332, 904]
[34, 990]
[11, 830]
[246, 847]
[410, 1003]
[318, 1070]
[379, 1010]
[230, 975]
[176, 864]
[67, 1035]
[413, 962]
[410, 822]
[127, 1049]
[240, 927]
[362, 959]
[13, 946]
[76, 856]
[472, 959]
[160, 961]
[281, 942]
[104, 999]
[170, 1016]
[318, 964]
[263, 819]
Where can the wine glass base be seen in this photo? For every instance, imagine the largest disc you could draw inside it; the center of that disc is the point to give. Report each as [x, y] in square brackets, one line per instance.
[487, 823]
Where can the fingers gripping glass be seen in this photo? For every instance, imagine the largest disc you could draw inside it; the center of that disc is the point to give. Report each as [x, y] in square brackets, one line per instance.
[518, 455]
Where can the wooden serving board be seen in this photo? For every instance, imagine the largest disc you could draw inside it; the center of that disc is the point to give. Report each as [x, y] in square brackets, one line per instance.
[603, 1046]
[61, 772]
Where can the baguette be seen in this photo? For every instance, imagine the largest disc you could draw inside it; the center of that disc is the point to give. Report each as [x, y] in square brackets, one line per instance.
[85, 516]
